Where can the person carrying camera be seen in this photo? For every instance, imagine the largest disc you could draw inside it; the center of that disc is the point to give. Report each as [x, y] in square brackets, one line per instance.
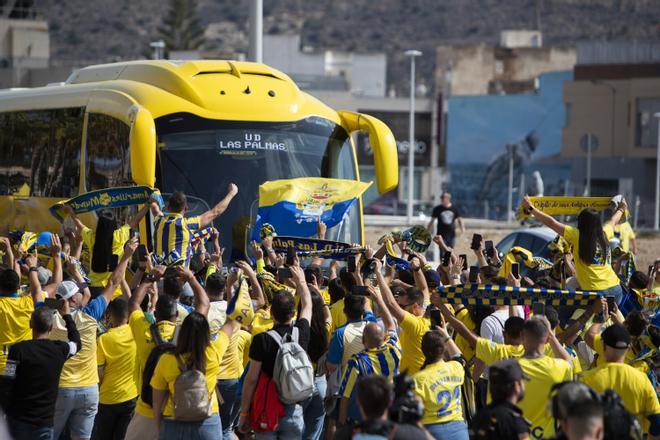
[374, 398]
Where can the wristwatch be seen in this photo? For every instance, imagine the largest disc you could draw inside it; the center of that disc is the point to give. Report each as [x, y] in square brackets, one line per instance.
[34, 269]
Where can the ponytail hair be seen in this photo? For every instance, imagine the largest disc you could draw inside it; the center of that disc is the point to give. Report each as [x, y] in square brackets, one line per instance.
[102, 249]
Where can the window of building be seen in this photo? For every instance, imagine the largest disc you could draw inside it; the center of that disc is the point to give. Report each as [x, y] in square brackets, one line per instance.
[646, 125]
[40, 152]
[107, 158]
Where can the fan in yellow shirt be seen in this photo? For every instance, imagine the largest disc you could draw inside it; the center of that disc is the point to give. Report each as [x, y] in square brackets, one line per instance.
[408, 309]
[589, 244]
[543, 371]
[194, 350]
[115, 354]
[634, 388]
[438, 385]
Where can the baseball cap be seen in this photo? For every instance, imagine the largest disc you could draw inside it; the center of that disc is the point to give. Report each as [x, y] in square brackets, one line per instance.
[616, 336]
[506, 371]
[66, 290]
[186, 290]
[43, 275]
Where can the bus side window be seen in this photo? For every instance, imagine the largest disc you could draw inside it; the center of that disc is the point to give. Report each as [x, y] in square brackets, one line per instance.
[40, 152]
[108, 158]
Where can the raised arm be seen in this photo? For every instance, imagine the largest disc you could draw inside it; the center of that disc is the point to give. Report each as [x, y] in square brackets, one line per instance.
[147, 282]
[56, 255]
[35, 286]
[202, 303]
[134, 221]
[544, 218]
[621, 208]
[257, 293]
[76, 221]
[417, 265]
[210, 215]
[120, 271]
[303, 292]
[8, 257]
[376, 295]
[456, 323]
[388, 298]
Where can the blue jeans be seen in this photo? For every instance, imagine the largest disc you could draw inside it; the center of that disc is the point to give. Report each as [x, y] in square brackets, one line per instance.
[27, 431]
[78, 406]
[290, 426]
[314, 410]
[456, 430]
[208, 429]
[231, 405]
[616, 292]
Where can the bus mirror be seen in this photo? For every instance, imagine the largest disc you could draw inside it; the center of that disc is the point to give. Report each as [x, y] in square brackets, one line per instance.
[382, 142]
[143, 147]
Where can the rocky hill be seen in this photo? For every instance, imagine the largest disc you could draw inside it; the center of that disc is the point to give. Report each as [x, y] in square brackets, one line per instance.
[102, 30]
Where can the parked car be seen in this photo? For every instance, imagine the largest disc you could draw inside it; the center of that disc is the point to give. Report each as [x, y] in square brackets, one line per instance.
[534, 240]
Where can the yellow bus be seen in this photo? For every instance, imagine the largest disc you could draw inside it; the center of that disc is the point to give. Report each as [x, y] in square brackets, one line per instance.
[192, 126]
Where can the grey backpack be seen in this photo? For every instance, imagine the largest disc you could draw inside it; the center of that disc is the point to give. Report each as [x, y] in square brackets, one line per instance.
[293, 373]
[191, 400]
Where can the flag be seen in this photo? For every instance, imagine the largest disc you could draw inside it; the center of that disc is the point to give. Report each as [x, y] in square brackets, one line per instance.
[295, 206]
[497, 295]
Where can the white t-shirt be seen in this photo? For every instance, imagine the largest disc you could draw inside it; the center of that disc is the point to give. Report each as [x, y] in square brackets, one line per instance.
[493, 326]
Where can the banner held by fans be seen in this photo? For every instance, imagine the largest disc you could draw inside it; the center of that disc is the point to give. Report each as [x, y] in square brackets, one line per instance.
[314, 247]
[294, 207]
[497, 295]
[106, 198]
[564, 205]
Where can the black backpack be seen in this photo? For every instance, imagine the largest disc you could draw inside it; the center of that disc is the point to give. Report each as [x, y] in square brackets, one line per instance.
[161, 348]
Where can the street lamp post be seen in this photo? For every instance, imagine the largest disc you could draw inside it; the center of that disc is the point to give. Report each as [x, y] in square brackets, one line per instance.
[656, 219]
[411, 144]
[256, 31]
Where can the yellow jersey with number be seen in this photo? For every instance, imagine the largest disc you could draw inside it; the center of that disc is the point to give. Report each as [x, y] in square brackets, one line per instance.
[439, 387]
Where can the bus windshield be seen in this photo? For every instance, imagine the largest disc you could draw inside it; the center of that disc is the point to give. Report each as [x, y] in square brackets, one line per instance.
[202, 156]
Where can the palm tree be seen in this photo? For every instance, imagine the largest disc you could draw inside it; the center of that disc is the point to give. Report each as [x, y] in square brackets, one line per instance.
[181, 29]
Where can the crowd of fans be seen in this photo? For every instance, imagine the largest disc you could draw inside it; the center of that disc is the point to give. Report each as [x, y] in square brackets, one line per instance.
[103, 339]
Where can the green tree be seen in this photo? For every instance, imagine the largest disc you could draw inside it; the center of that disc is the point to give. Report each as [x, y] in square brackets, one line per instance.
[181, 29]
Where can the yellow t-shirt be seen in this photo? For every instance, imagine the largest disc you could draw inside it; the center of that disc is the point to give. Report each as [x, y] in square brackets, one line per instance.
[79, 370]
[598, 274]
[15, 313]
[115, 352]
[439, 387]
[338, 316]
[632, 386]
[464, 316]
[119, 238]
[413, 329]
[325, 295]
[167, 371]
[231, 366]
[140, 327]
[261, 323]
[626, 233]
[543, 373]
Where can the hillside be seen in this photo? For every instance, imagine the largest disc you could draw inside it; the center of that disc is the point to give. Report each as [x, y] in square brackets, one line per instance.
[102, 30]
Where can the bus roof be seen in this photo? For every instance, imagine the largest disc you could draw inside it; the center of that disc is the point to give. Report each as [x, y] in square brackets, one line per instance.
[231, 90]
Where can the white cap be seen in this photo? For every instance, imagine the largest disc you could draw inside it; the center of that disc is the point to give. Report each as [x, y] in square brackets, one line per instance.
[67, 289]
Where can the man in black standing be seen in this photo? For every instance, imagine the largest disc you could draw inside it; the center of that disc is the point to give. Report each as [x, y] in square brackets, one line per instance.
[447, 215]
[31, 379]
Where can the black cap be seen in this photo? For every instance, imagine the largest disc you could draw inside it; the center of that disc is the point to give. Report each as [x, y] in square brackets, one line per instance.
[616, 336]
[506, 371]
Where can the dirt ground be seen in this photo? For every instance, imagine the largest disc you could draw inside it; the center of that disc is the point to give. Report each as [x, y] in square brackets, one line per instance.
[648, 243]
